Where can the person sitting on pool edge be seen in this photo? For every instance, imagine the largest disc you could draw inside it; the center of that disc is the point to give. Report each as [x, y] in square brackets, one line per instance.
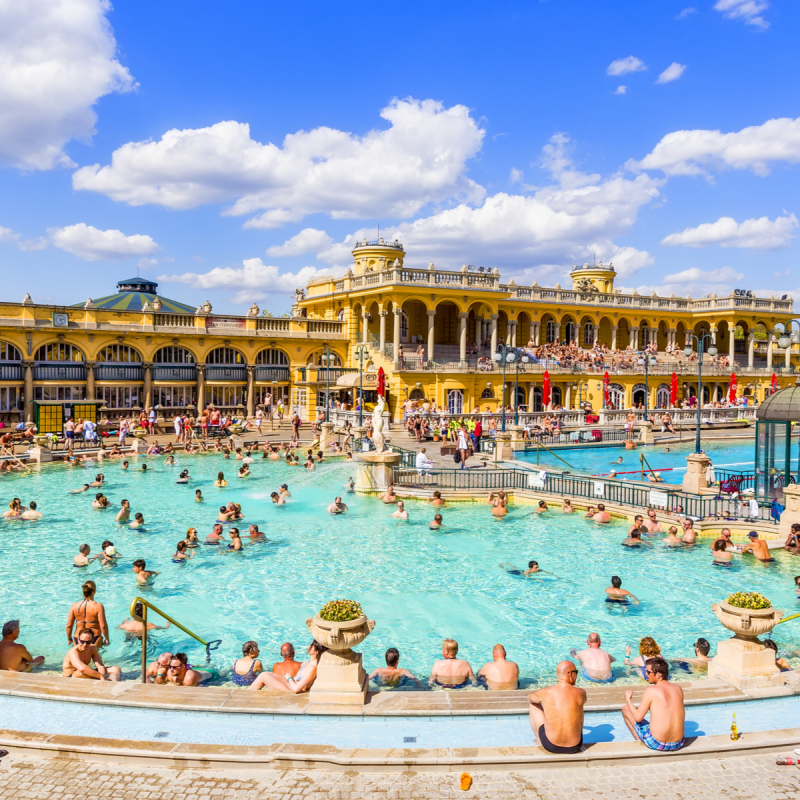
[664, 701]
[500, 673]
[77, 662]
[556, 712]
[180, 673]
[15, 657]
[288, 667]
[391, 675]
[596, 662]
[301, 682]
[451, 672]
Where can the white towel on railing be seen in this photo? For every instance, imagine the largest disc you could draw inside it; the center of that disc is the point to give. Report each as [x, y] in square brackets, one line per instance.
[753, 505]
[542, 475]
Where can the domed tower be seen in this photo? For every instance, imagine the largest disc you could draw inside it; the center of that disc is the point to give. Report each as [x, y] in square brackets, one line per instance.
[377, 255]
[594, 278]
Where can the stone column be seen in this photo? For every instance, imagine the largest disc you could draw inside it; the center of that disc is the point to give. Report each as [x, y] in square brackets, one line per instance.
[595, 334]
[364, 326]
[568, 398]
[513, 324]
[791, 513]
[383, 314]
[557, 332]
[28, 367]
[713, 333]
[531, 387]
[398, 312]
[462, 338]
[148, 385]
[536, 330]
[732, 346]
[251, 391]
[431, 329]
[494, 318]
[479, 336]
[770, 340]
[634, 342]
[787, 356]
[751, 345]
[695, 478]
[90, 365]
[673, 332]
[201, 387]
[614, 337]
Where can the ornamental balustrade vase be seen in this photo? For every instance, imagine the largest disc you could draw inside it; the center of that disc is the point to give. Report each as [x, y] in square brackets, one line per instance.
[341, 679]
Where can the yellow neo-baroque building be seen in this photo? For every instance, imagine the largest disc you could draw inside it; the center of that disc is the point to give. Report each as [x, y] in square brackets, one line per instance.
[433, 332]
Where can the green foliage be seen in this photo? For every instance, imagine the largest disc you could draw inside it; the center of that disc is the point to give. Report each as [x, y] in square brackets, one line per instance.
[341, 611]
[751, 600]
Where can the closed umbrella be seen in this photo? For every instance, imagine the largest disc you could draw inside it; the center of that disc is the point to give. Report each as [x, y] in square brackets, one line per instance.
[732, 393]
[673, 390]
[774, 386]
[546, 390]
[381, 382]
[606, 381]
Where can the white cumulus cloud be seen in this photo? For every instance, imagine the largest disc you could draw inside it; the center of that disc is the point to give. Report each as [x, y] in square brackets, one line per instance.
[756, 234]
[620, 90]
[748, 10]
[91, 244]
[309, 240]
[254, 279]
[420, 158]
[9, 236]
[698, 152]
[672, 73]
[624, 65]
[57, 58]
[687, 12]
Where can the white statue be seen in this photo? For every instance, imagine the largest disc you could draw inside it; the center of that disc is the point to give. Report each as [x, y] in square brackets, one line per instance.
[377, 425]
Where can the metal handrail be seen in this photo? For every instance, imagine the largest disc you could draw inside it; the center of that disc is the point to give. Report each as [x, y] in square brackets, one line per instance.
[212, 645]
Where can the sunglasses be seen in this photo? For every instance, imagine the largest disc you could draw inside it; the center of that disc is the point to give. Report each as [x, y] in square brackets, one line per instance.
[175, 666]
[85, 642]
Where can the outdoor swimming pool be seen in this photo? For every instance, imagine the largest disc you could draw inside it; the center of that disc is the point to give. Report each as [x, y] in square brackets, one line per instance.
[419, 585]
[733, 454]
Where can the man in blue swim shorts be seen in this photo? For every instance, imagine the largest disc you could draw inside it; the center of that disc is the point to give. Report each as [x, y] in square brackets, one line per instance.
[664, 701]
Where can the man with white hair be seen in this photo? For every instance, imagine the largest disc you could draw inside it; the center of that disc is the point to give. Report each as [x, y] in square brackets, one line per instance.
[423, 463]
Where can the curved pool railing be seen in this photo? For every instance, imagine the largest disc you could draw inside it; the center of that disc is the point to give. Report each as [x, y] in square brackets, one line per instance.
[145, 604]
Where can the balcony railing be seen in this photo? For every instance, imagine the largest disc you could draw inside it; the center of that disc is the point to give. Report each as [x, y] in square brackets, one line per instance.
[325, 326]
[119, 372]
[59, 372]
[274, 324]
[269, 374]
[174, 320]
[221, 372]
[175, 372]
[11, 372]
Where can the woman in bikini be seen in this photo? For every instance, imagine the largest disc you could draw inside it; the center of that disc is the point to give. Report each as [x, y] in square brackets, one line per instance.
[301, 682]
[88, 615]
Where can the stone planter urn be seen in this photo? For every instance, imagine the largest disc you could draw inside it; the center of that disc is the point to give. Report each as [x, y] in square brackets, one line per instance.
[341, 679]
[236, 429]
[41, 439]
[742, 660]
[139, 433]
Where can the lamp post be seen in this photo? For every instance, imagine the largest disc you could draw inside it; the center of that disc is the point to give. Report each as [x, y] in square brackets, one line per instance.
[327, 357]
[523, 358]
[506, 355]
[361, 351]
[785, 336]
[645, 360]
[687, 351]
[581, 385]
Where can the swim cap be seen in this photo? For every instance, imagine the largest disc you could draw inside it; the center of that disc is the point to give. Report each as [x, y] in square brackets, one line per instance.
[111, 550]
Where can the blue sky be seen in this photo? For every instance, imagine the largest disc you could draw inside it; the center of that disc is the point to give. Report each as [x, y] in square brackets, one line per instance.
[232, 151]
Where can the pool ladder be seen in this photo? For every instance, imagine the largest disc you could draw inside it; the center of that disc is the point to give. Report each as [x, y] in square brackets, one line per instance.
[212, 645]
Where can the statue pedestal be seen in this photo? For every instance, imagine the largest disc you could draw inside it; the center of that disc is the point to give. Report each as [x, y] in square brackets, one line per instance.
[791, 513]
[694, 481]
[503, 444]
[138, 446]
[374, 473]
[646, 432]
[517, 442]
[326, 435]
[41, 455]
[746, 664]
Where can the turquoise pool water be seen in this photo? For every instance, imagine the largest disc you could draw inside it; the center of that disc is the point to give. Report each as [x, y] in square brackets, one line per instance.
[419, 585]
[733, 454]
[114, 722]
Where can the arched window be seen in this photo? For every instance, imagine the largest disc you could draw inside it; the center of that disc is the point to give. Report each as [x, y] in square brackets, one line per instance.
[119, 354]
[174, 355]
[616, 395]
[570, 331]
[417, 394]
[317, 360]
[9, 353]
[487, 394]
[404, 327]
[537, 399]
[519, 392]
[550, 332]
[273, 358]
[556, 396]
[588, 333]
[59, 351]
[225, 355]
[639, 394]
[662, 396]
[455, 401]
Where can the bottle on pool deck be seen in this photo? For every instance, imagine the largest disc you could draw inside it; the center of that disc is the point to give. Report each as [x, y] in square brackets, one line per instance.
[783, 761]
[734, 729]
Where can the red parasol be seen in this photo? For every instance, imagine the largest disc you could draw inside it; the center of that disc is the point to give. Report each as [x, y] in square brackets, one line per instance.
[606, 381]
[673, 390]
[732, 393]
[546, 390]
[381, 382]
[774, 385]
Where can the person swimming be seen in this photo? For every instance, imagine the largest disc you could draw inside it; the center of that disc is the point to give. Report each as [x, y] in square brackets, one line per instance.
[436, 523]
[182, 553]
[616, 594]
[198, 496]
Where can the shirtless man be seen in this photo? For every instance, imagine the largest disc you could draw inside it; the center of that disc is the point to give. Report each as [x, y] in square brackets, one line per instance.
[390, 498]
[601, 515]
[391, 674]
[143, 575]
[638, 523]
[651, 523]
[556, 712]
[215, 537]
[135, 627]
[617, 594]
[436, 501]
[664, 701]
[178, 672]
[161, 663]
[436, 523]
[32, 512]
[689, 534]
[596, 662]
[672, 539]
[124, 514]
[499, 673]
[13, 656]
[725, 536]
[758, 547]
[634, 539]
[401, 512]
[590, 512]
[702, 648]
[337, 507]
[451, 672]
[288, 667]
[78, 660]
[82, 559]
